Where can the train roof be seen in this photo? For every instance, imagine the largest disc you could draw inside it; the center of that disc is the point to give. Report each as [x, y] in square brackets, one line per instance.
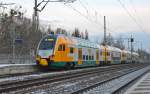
[126, 51]
[113, 48]
[81, 42]
[86, 43]
[135, 53]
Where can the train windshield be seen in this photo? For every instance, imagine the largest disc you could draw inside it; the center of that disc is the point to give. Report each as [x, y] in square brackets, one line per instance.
[47, 43]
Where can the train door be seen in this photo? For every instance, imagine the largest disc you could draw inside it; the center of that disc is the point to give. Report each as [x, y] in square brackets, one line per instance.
[79, 56]
[60, 53]
[105, 55]
[97, 57]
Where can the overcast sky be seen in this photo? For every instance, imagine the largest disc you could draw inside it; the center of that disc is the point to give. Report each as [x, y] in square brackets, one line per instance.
[133, 16]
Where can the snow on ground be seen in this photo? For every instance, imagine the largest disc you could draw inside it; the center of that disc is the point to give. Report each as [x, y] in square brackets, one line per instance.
[111, 86]
[9, 65]
[38, 75]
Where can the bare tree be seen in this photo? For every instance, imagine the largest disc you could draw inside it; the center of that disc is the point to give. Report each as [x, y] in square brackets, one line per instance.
[82, 35]
[110, 40]
[61, 31]
[50, 31]
[76, 33]
[119, 43]
[15, 25]
[86, 35]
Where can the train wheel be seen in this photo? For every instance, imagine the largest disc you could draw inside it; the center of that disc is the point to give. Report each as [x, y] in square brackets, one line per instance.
[72, 65]
[69, 66]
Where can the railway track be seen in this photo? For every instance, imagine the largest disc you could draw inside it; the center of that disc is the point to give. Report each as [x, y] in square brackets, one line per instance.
[100, 87]
[31, 84]
[123, 88]
[31, 75]
[83, 90]
[5, 87]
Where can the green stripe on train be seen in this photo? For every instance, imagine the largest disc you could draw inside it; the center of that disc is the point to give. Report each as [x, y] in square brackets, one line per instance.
[62, 64]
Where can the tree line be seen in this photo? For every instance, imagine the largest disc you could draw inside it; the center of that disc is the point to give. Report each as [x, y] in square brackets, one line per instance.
[18, 30]
[75, 33]
[15, 26]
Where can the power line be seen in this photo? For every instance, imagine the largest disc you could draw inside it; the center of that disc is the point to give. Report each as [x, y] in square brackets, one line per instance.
[83, 15]
[88, 12]
[3, 5]
[96, 17]
[36, 10]
[86, 17]
[133, 18]
[84, 7]
[135, 11]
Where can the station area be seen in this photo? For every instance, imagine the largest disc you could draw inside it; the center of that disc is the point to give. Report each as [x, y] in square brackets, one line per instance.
[142, 86]
[74, 47]
[12, 69]
[90, 80]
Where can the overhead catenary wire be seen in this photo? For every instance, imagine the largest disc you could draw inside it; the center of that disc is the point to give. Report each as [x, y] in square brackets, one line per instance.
[83, 15]
[85, 6]
[132, 17]
[96, 14]
[99, 25]
[86, 9]
[135, 11]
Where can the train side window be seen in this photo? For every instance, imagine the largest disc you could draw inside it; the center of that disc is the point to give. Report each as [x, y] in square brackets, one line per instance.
[92, 57]
[101, 53]
[71, 50]
[97, 56]
[83, 57]
[112, 54]
[60, 47]
[80, 53]
[87, 57]
[108, 53]
[123, 55]
[63, 47]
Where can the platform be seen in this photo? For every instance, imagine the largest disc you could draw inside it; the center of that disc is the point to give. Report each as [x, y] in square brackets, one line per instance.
[142, 86]
[9, 69]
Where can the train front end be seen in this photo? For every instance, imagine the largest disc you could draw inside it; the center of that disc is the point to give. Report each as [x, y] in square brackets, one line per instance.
[45, 50]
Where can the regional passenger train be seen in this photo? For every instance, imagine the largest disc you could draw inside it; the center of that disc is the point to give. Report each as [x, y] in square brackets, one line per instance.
[69, 52]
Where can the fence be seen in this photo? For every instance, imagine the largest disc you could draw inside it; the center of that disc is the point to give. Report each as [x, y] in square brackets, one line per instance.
[17, 59]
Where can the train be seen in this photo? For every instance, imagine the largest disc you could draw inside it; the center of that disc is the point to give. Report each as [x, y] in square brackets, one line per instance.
[61, 51]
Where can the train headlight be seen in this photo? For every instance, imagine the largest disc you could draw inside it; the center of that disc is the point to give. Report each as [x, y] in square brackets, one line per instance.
[38, 57]
[51, 57]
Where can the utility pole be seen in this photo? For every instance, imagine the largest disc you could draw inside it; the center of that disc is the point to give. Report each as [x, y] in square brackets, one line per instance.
[132, 40]
[35, 7]
[13, 41]
[36, 10]
[3, 5]
[141, 46]
[35, 17]
[141, 51]
[105, 40]
[128, 43]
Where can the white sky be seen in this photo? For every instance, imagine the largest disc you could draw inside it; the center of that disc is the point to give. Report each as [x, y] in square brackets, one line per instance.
[118, 21]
